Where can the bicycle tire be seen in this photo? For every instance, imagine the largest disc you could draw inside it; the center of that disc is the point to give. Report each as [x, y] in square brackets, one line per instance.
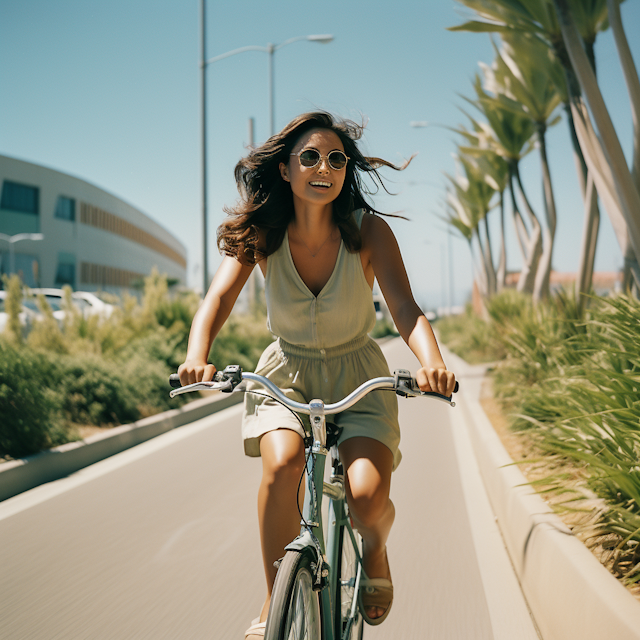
[294, 612]
[345, 591]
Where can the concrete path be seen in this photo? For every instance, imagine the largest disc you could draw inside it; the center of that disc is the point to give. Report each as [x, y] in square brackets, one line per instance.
[161, 541]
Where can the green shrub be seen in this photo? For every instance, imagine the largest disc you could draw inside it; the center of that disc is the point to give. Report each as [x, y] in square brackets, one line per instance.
[241, 341]
[384, 328]
[31, 418]
[46, 334]
[94, 391]
[469, 337]
[572, 382]
[13, 306]
[106, 371]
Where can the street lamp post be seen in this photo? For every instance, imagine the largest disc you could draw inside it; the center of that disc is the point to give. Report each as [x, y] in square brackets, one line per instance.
[17, 238]
[204, 62]
[203, 88]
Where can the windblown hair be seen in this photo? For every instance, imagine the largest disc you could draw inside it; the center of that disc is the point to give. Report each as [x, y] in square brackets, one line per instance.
[266, 200]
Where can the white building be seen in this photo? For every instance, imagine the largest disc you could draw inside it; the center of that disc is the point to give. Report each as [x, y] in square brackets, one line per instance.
[92, 239]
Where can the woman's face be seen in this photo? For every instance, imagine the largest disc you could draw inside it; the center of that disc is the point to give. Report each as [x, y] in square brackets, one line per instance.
[320, 184]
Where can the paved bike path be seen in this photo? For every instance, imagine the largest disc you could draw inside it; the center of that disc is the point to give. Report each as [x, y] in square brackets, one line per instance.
[452, 575]
[161, 541]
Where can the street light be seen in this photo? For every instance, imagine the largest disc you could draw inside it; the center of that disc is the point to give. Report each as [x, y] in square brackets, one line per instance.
[17, 238]
[271, 49]
[204, 62]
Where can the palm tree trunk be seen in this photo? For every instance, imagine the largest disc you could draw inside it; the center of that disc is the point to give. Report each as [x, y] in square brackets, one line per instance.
[632, 80]
[584, 278]
[483, 279]
[477, 281]
[491, 272]
[623, 192]
[534, 246]
[631, 270]
[600, 170]
[521, 230]
[501, 276]
[591, 225]
[541, 285]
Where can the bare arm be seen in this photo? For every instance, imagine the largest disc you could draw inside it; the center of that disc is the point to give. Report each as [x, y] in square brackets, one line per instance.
[381, 250]
[210, 317]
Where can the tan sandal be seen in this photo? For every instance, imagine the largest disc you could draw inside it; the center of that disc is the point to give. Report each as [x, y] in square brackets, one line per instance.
[375, 592]
[256, 630]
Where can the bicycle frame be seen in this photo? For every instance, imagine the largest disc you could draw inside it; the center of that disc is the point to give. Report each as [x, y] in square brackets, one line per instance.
[312, 530]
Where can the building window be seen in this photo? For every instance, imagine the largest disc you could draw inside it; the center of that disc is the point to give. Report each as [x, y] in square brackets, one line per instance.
[20, 197]
[66, 208]
[66, 274]
[66, 270]
[101, 219]
[102, 276]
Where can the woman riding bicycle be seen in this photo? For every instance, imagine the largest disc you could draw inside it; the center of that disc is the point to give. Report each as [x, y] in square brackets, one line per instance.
[303, 218]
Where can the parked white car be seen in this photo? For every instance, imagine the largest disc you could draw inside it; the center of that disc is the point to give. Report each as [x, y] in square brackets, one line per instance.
[26, 316]
[87, 302]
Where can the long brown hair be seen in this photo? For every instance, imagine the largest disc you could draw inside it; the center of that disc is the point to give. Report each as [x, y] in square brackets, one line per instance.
[266, 201]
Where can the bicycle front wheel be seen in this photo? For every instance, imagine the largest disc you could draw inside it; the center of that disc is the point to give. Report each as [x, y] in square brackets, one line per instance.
[294, 613]
[349, 622]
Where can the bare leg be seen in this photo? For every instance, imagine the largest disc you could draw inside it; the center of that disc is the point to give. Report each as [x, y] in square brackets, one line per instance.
[368, 464]
[282, 454]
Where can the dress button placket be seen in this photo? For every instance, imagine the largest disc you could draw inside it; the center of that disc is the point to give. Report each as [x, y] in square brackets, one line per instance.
[313, 314]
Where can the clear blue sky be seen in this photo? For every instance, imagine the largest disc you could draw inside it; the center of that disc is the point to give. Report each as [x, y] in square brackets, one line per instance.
[109, 92]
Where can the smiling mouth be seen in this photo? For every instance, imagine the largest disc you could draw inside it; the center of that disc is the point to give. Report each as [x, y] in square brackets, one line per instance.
[321, 184]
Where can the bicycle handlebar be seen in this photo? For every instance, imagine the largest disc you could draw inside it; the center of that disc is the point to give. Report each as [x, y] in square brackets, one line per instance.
[402, 382]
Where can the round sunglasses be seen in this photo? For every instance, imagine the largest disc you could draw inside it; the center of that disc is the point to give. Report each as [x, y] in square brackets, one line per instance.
[309, 158]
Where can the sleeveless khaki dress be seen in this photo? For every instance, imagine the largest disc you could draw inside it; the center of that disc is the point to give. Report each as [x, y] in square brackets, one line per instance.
[323, 351]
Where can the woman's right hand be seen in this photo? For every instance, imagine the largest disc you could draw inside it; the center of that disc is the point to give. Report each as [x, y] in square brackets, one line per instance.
[193, 371]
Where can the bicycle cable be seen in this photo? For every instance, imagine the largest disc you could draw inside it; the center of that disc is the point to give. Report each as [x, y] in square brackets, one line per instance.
[307, 454]
[266, 395]
[307, 449]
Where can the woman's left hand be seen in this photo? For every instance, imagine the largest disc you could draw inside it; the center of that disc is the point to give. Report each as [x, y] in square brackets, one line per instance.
[439, 380]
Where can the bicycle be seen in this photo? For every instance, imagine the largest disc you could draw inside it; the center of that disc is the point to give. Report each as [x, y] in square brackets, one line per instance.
[315, 593]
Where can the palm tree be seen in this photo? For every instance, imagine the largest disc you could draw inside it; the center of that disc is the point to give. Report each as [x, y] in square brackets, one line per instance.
[470, 199]
[510, 133]
[603, 153]
[529, 74]
[539, 18]
[457, 218]
[494, 171]
[591, 19]
[633, 86]
[496, 174]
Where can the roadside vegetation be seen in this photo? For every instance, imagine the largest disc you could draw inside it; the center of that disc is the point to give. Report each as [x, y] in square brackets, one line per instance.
[567, 365]
[102, 371]
[568, 381]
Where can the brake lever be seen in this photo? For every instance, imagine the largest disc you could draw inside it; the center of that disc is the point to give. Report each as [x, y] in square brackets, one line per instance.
[225, 381]
[406, 387]
[210, 385]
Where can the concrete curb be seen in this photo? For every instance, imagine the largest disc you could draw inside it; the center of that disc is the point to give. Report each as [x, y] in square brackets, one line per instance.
[18, 476]
[571, 595]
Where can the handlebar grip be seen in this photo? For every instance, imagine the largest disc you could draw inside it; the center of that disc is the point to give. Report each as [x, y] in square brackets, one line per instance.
[455, 389]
